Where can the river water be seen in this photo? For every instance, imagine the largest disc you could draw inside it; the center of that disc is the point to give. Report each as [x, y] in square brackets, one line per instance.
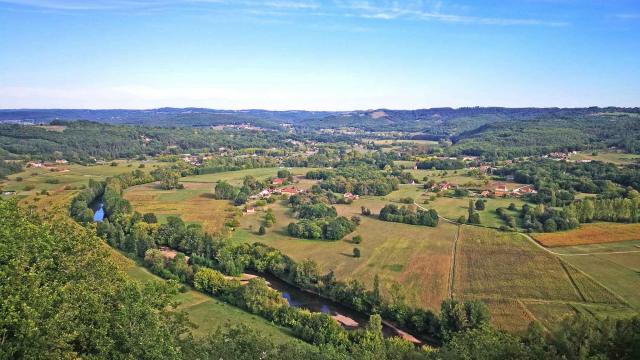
[98, 211]
[296, 297]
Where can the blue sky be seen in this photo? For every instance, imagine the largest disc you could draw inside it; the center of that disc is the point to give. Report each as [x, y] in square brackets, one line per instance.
[324, 55]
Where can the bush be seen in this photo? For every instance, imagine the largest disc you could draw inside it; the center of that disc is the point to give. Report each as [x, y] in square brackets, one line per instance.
[150, 218]
[407, 200]
[29, 187]
[113, 163]
[356, 252]
[356, 239]
[262, 230]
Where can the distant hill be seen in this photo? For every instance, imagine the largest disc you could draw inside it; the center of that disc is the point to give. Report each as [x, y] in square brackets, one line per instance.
[434, 122]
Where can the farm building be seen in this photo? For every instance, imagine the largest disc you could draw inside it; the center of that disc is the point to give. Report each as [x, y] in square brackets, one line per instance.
[291, 190]
[501, 190]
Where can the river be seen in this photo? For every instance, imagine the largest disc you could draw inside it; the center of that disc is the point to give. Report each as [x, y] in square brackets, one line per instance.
[347, 317]
[98, 211]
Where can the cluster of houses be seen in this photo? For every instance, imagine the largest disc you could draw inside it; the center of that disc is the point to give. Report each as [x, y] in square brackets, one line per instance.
[502, 191]
[48, 165]
[194, 160]
[443, 186]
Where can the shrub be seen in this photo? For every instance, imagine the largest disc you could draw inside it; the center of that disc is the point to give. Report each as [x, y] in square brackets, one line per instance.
[356, 252]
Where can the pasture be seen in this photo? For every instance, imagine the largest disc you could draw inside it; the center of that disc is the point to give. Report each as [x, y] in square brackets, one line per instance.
[591, 234]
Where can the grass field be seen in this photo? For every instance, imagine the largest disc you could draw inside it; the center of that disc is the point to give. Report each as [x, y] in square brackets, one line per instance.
[611, 157]
[415, 256]
[194, 204]
[205, 312]
[236, 177]
[591, 234]
[452, 208]
[54, 182]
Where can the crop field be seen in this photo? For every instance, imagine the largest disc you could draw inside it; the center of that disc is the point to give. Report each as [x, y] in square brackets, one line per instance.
[206, 312]
[493, 266]
[194, 204]
[235, 177]
[591, 234]
[618, 272]
[415, 256]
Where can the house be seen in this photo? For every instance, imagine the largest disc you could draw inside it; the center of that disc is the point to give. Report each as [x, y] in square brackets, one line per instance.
[527, 189]
[485, 193]
[61, 161]
[443, 186]
[265, 193]
[8, 193]
[250, 210]
[351, 196]
[35, 164]
[291, 190]
[277, 181]
[501, 190]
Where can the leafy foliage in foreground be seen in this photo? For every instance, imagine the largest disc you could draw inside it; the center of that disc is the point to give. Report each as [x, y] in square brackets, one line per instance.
[61, 297]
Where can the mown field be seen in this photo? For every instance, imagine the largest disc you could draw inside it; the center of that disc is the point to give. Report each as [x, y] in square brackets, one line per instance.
[206, 312]
[591, 234]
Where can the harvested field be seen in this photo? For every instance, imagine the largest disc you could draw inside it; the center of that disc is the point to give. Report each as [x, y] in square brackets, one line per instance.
[498, 264]
[591, 234]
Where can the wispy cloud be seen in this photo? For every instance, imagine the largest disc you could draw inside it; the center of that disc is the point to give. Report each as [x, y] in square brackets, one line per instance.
[421, 10]
[430, 11]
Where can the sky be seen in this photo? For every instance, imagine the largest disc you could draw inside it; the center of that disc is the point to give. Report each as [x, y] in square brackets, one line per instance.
[318, 55]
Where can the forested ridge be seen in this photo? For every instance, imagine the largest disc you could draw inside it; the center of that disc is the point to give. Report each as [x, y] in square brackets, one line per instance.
[82, 141]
